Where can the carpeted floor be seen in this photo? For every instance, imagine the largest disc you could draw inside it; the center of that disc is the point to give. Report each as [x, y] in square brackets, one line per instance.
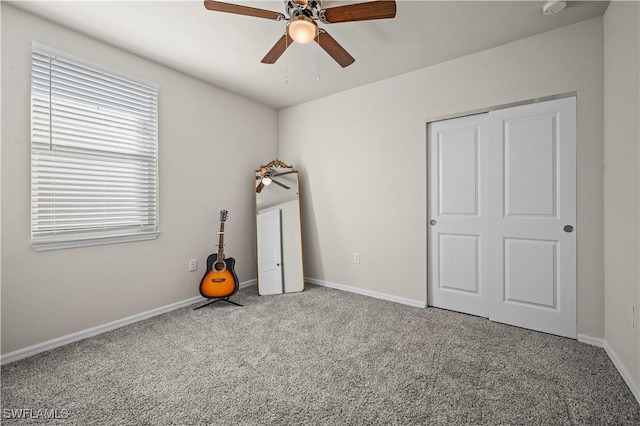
[322, 357]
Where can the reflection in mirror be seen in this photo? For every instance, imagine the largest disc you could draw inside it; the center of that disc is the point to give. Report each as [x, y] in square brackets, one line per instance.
[279, 242]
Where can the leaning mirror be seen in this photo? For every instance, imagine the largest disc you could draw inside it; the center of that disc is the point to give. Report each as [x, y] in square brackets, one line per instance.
[279, 240]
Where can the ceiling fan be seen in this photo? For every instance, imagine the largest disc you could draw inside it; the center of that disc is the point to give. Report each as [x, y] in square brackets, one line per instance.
[303, 16]
[266, 177]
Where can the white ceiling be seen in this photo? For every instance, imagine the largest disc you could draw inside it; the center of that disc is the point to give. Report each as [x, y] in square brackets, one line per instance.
[226, 49]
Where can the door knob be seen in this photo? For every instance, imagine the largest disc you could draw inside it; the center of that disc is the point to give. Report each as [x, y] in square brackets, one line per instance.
[568, 228]
[432, 222]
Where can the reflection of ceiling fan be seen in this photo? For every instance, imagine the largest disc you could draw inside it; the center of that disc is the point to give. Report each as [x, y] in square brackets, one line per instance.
[302, 26]
[266, 176]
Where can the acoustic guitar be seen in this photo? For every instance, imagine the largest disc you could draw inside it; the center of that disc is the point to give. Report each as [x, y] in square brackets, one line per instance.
[220, 281]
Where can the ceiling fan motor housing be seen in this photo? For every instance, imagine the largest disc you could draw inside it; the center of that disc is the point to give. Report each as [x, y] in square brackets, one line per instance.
[311, 8]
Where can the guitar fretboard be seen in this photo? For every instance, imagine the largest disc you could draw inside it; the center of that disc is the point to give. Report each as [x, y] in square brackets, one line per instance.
[221, 242]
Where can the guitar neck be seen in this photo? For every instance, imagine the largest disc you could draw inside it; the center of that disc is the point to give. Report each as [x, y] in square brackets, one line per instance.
[221, 241]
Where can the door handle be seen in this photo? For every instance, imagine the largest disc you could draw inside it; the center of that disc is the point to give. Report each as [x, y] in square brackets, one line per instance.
[432, 222]
[568, 228]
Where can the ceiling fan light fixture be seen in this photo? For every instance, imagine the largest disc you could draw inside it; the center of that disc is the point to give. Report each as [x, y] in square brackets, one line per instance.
[266, 180]
[302, 29]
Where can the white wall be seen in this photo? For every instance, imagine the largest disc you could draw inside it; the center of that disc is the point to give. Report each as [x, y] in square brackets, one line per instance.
[622, 180]
[363, 166]
[207, 157]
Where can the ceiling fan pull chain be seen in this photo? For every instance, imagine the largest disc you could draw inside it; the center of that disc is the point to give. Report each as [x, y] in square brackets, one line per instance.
[318, 55]
[286, 60]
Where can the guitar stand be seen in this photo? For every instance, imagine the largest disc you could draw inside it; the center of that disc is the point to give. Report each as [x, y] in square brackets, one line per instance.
[226, 299]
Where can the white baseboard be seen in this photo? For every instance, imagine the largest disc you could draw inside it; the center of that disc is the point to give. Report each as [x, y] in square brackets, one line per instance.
[594, 341]
[93, 331]
[248, 283]
[626, 376]
[370, 293]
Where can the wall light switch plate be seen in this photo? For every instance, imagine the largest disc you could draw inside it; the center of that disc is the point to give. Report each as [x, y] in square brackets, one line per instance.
[193, 265]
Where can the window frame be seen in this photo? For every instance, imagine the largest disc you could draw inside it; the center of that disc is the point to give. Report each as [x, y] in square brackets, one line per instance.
[93, 236]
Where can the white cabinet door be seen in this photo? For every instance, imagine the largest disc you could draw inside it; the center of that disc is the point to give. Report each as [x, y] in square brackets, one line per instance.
[502, 212]
[269, 253]
[533, 257]
[458, 226]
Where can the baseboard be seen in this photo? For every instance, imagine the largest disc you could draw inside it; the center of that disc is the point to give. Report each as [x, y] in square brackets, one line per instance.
[93, 331]
[248, 283]
[370, 293]
[594, 341]
[626, 376]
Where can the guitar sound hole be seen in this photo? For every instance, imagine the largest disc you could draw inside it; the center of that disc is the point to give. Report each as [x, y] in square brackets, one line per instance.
[219, 266]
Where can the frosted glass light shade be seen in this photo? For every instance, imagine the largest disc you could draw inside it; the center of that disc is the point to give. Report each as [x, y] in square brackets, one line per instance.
[302, 29]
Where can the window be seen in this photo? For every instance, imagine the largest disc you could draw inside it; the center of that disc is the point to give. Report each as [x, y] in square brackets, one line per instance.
[94, 145]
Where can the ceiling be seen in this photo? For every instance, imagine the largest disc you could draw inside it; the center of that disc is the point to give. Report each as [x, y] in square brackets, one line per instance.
[225, 49]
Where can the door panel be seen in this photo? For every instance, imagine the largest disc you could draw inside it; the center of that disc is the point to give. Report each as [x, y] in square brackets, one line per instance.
[458, 171]
[269, 253]
[457, 237]
[456, 250]
[530, 166]
[533, 260]
[530, 272]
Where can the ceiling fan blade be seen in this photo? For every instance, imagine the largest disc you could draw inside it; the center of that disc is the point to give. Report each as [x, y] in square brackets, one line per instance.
[218, 6]
[333, 48]
[284, 173]
[259, 187]
[360, 12]
[281, 184]
[277, 50]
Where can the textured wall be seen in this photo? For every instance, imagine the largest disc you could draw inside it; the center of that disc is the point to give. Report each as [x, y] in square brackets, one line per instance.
[622, 180]
[364, 164]
[207, 154]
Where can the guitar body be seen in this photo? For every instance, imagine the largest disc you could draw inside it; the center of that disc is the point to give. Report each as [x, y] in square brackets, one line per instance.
[220, 280]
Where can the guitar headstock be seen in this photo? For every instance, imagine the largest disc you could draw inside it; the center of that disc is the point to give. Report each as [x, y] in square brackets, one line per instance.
[223, 215]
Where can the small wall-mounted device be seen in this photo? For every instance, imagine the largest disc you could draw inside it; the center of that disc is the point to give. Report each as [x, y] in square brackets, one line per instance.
[552, 7]
[193, 265]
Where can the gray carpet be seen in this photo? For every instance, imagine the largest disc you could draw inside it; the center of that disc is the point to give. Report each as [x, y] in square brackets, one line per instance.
[322, 357]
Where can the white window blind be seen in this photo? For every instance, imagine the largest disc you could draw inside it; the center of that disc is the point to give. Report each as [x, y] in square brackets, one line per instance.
[94, 154]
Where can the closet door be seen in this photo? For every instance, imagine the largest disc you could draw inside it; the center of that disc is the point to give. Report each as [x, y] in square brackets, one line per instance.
[502, 216]
[269, 253]
[458, 215]
[533, 239]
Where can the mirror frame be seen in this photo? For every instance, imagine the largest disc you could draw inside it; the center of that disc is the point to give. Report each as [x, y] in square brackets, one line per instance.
[278, 164]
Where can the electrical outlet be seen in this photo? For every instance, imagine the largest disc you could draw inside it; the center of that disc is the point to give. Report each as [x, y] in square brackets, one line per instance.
[631, 315]
[193, 265]
[356, 257]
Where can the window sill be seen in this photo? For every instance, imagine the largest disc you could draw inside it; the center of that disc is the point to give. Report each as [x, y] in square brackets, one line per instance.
[93, 241]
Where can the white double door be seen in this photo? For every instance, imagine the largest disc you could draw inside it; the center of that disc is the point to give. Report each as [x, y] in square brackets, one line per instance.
[502, 216]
